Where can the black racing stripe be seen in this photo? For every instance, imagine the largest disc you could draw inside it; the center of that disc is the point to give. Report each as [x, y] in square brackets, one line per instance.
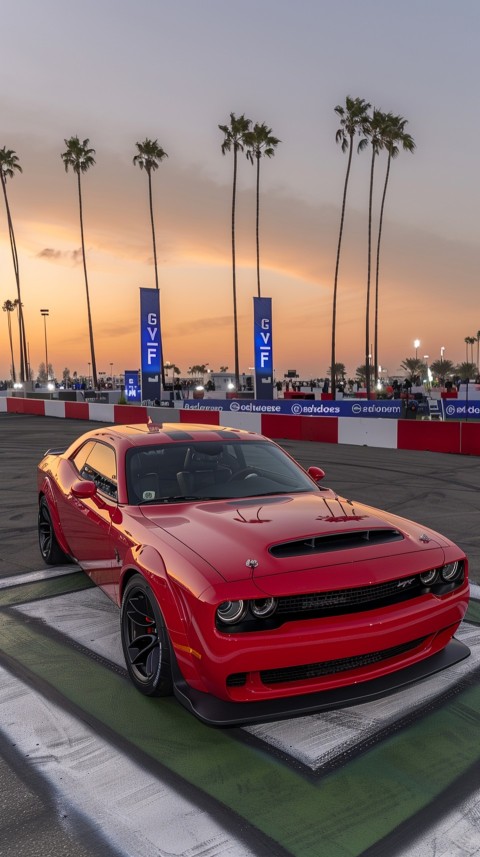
[178, 434]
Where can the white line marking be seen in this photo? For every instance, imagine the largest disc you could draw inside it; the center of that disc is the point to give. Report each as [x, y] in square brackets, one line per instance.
[88, 617]
[475, 591]
[138, 813]
[33, 576]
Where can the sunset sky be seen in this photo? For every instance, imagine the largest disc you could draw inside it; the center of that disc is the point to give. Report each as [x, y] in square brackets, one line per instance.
[118, 71]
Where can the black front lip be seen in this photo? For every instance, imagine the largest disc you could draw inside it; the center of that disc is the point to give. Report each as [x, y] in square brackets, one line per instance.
[217, 712]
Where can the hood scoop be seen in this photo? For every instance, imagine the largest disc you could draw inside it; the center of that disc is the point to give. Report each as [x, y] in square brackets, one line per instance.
[336, 542]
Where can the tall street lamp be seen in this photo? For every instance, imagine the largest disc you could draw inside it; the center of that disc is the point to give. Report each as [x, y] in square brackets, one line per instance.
[416, 345]
[45, 313]
[111, 374]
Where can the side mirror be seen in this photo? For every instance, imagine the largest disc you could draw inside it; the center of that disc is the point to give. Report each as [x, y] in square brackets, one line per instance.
[83, 488]
[316, 473]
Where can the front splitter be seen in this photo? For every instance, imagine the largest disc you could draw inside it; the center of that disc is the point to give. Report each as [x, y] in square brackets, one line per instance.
[218, 712]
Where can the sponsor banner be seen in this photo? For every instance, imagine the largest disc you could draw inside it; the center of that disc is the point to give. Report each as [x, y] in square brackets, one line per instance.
[455, 409]
[262, 332]
[133, 392]
[151, 343]
[390, 409]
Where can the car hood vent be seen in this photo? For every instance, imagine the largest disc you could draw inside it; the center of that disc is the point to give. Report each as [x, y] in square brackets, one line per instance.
[336, 542]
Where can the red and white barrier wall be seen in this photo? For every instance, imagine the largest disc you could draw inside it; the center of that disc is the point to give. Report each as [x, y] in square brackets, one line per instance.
[455, 437]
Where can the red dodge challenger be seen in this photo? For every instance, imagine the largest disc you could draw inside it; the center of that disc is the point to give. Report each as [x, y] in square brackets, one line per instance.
[246, 588]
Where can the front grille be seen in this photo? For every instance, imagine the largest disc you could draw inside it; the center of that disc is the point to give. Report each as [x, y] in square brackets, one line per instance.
[327, 668]
[338, 601]
[335, 542]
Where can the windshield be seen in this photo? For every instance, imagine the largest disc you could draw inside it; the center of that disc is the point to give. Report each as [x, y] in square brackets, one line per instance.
[207, 470]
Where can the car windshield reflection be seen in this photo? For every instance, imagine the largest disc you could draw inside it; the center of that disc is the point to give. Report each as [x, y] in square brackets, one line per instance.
[206, 470]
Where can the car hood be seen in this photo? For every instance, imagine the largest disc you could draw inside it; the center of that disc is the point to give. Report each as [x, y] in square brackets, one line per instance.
[273, 535]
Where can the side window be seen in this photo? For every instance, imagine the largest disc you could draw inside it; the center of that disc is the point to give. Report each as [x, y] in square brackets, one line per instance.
[81, 455]
[100, 466]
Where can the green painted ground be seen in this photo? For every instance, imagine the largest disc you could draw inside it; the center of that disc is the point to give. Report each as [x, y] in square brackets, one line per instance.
[339, 816]
[473, 613]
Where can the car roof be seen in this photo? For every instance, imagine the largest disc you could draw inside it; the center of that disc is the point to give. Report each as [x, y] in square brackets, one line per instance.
[146, 434]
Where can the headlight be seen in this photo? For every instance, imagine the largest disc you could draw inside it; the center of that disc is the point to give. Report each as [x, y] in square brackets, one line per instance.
[263, 607]
[429, 577]
[230, 612]
[451, 571]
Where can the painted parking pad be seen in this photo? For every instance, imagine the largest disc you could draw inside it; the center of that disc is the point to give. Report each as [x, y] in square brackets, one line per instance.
[379, 776]
[91, 619]
[88, 617]
[325, 738]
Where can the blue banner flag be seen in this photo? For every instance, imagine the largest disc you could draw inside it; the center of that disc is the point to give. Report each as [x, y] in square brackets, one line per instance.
[151, 344]
[133, 392]
[262, 325]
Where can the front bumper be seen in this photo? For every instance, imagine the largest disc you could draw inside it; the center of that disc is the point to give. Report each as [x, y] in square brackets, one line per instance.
[217, 712]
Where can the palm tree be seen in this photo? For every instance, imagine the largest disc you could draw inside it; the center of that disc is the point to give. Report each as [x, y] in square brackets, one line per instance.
[260, 143]
[361, 374]
[80, 158]
[353, 120]
[478, 347]
[8, 167]
[339, 371]
[394, 136]
[375, 131]
[466, 370]
[173, 367]
[149, 155]
[413, 366]
[469, 340]
[9, 307]
[235, 139]
[441, 369]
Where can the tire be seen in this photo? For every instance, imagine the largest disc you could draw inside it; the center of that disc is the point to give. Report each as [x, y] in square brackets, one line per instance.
[145, 641]
[51, 551]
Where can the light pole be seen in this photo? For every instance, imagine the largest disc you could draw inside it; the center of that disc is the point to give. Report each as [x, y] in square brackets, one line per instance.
[416, 345]
[45, 313]
[111, 374]
[89, 375]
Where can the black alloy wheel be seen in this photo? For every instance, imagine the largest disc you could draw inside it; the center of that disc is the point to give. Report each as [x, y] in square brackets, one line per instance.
[51, 551]
[145, 641]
